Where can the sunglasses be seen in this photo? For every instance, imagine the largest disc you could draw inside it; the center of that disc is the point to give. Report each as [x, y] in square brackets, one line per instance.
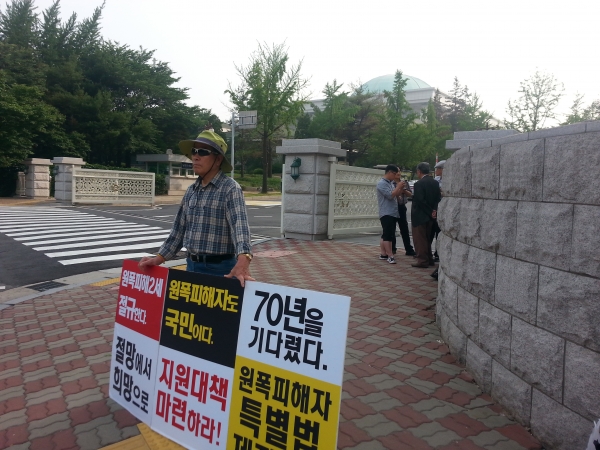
[201, 152]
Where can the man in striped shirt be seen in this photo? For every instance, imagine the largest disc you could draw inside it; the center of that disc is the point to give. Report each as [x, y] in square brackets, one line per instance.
[211, 223]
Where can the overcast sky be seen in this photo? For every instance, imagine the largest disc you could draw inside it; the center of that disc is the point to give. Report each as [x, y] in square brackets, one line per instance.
[489, 46]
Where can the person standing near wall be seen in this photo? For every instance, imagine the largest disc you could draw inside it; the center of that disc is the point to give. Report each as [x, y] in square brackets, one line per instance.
[388, 211]
[402, 222]
[426, 197]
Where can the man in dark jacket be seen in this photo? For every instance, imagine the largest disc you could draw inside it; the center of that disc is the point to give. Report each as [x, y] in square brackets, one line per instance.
[426, 197]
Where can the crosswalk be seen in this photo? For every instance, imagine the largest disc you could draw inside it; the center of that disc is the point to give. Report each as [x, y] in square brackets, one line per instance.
[76, 237]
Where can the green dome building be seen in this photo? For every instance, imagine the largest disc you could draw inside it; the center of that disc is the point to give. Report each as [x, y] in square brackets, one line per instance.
[417, 91]
[386, 83]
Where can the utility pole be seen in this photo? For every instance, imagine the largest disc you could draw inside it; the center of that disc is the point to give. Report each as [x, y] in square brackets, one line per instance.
[248, 119]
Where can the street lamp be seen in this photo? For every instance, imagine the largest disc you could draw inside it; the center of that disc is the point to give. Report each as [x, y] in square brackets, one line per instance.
[295, 168]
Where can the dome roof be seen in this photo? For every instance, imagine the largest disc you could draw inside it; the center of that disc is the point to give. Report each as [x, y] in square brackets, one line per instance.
[386, 83]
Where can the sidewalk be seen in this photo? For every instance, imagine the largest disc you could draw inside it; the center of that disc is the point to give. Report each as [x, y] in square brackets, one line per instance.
[402, 389]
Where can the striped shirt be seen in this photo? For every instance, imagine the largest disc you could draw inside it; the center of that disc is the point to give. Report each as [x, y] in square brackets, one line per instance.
[211, 220]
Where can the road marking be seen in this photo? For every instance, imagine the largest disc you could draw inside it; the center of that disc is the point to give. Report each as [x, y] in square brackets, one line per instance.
[163, 235]
[36, 220]
[62, 229]
[89, 231]
[61, 226]
[43, 215]
[79, 238]
[118, 248]
[43, 222]
[102, 235]
[69, 262]
[37, 212]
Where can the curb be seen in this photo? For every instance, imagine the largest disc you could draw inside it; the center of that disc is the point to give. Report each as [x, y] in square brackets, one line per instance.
[99, 280]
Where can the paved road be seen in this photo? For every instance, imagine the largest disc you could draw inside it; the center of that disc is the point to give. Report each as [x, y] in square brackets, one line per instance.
[50, 242]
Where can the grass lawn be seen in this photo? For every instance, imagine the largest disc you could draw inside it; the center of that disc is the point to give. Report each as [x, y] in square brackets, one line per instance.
[253, 182]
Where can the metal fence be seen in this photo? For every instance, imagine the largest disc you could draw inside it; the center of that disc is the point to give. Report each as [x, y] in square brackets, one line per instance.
[353, 200]
[113, 187]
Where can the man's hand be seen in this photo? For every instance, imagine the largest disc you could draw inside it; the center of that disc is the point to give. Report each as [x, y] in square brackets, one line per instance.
[398, 190]
[147, 261]
[241, 270]
[434, 214]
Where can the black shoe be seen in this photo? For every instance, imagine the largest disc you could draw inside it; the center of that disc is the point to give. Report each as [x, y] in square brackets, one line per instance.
[434, 275]
[411, 253]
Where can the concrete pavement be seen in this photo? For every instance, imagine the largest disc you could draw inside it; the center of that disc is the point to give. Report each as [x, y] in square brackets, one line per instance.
[402, 389]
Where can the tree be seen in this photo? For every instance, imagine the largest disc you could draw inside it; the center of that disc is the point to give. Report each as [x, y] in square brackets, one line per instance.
[398, 138]
[358, 133]
[463, 111]
[19, 24]
[275, 90]
[303, 127]
[347, 117]
[438, 134]
[86, 96]
[337, 112]
[539, 98]
[581, 113]
[24, 116]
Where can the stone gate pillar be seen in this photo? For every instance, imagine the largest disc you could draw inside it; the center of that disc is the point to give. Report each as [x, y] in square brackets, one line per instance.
[37, 179]
[20, 190]
[63, 177]
[305, 201]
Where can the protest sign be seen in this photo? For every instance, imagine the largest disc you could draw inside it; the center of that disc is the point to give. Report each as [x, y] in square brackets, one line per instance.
[215, 365]
[136, 335]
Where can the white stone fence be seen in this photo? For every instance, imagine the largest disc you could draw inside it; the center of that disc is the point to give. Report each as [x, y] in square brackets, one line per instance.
[519, 289]
[353, 204]
[113, 187]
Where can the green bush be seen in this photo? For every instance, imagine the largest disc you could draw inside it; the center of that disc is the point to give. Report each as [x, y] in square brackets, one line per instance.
[277, 166]
[101, 167]
[252, 182]
[257, 171]
[160, 185]
[8, 180]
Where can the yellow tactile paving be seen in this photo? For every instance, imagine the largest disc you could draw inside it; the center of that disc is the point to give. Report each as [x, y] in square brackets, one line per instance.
[156, 441]
[105, 282]
[134, 443]
[182, 267]
[147, 440]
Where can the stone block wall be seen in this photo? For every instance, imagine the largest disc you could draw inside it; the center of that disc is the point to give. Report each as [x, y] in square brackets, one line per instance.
[63, 179]
[37, 179]
[519, 286]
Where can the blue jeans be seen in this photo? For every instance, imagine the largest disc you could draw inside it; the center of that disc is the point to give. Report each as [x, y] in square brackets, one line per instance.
[216, 269]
